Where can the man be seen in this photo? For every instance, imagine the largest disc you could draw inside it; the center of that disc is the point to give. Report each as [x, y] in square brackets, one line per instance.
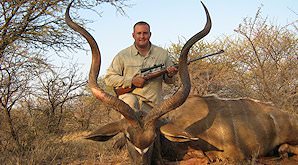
[125, 70]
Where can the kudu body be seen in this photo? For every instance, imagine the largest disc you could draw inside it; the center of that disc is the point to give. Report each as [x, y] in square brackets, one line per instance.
[229, 129]
[140, 132]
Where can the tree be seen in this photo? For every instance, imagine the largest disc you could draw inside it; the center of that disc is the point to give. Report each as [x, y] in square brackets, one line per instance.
[260, 61]
[28, 30]
[54, 92]
[266, 59]
[14, 84]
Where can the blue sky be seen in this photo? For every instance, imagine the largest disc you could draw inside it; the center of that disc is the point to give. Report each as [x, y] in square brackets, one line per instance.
[172, 20]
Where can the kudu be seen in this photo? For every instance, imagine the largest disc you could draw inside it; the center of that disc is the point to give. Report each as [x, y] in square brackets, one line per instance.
[218, 128]
[140, 132]
[233, 129]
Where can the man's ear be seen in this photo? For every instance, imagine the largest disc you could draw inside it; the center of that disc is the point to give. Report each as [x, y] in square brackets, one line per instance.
[106, 132]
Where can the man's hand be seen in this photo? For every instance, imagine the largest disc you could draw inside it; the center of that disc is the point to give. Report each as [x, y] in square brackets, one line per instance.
[171, 71]
[138, 81]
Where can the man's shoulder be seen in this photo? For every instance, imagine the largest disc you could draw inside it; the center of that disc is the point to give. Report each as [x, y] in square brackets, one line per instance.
[159, 49]
[126, 51]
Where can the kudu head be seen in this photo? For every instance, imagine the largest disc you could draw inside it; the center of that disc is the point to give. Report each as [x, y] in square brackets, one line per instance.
[140, 133]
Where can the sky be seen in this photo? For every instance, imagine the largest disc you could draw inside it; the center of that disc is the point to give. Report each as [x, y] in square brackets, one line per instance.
[174, 20]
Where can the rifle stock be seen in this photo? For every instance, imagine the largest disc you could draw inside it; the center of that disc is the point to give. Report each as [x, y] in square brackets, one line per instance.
[151, 75]
[120, 91]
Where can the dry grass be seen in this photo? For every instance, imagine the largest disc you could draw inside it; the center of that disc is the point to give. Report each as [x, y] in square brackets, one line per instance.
[41, 148]
[73, 149]
[57, 150]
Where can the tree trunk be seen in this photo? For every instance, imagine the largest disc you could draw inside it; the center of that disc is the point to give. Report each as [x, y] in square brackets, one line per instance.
[13, 133]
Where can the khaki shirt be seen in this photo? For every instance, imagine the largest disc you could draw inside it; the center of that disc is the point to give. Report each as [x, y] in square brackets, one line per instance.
[128, 62]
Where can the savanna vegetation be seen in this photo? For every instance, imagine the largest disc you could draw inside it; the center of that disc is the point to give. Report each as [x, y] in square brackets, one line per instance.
[45, 108]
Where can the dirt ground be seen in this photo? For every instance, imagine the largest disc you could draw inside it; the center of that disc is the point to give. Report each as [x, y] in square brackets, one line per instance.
[275, 161]
[261, 161]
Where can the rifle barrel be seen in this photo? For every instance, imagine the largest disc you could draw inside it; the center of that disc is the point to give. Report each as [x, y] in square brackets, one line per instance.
[208, 55]
[152, 67]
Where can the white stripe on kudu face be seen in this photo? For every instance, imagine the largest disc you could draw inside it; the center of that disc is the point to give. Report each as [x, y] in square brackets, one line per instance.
[140, 151]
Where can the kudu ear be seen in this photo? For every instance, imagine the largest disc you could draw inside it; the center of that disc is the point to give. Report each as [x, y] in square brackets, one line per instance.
[176, 134]
[106, 132]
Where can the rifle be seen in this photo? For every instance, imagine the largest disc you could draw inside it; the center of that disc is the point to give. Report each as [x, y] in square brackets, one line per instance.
[119, 91]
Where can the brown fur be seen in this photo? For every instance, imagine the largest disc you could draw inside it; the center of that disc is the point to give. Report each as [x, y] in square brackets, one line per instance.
[233, 128]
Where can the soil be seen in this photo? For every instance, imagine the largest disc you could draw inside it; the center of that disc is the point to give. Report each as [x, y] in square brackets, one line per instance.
[261, 161]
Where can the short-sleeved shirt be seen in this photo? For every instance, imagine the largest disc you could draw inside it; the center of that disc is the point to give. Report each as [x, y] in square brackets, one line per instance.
[128, 62]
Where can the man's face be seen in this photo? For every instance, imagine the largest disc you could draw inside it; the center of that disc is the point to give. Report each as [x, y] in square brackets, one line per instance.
[141, 35]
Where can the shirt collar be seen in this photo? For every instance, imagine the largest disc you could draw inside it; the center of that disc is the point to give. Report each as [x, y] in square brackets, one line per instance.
[136, 52]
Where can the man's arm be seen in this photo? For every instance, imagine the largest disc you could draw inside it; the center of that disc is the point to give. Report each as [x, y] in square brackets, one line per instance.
[170, 77]
[114, 76]
[138, 81]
